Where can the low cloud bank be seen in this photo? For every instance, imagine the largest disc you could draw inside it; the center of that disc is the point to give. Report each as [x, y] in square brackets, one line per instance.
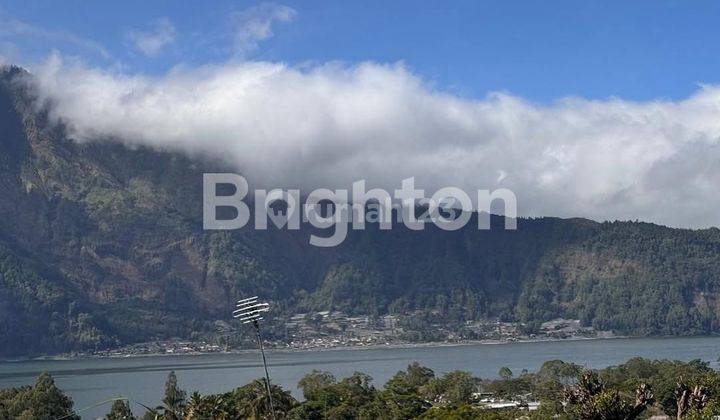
[331, 124]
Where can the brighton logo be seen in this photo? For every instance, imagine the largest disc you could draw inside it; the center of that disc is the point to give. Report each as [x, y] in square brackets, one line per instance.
[449, 208]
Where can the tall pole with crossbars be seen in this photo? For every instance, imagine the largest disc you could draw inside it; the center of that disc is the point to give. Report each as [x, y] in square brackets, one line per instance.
[250, 311]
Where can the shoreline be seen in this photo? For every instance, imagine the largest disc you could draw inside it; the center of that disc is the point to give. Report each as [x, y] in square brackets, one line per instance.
[430, 344]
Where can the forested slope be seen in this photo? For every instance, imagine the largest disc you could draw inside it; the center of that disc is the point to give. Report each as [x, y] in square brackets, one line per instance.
[102, 244]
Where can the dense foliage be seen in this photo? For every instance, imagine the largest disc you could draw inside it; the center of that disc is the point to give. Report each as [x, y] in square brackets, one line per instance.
[636, 389]
[102, 244]
[40, 401]
[633, 390]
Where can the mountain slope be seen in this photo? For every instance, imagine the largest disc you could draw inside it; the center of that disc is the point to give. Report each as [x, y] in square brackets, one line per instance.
[102, 244]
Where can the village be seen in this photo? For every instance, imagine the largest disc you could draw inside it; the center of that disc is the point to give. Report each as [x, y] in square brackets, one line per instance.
[335, 329]
[329, 329]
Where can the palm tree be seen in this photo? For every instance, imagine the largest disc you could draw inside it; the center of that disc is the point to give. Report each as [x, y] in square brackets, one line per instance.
[208, 407]
[253, 402]
[194, 408]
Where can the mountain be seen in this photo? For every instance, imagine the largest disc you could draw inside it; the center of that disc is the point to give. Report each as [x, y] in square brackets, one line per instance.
[102, 244]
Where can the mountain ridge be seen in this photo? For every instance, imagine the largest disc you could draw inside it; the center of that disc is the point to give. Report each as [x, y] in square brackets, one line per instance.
[102, 244]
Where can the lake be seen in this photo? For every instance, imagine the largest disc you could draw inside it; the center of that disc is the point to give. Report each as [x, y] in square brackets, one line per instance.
[142, 379]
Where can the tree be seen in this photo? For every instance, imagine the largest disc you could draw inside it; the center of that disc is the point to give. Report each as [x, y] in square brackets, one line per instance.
[512, 388]
[462, 412]
[688, 399]
[418, 375]
[562, 372]
[505, 373]
[411, 379]
[120, 410]
[455, 387]
[591, 400]
[217, 407]
[174, 401]
[251, 401]
[44, 400]
[352, 397]
[354, 392]
[314, 382]
[401, 397]
[195, 406]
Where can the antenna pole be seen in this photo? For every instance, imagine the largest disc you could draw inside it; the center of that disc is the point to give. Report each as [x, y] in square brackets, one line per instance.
[267, 374]
[250, 311]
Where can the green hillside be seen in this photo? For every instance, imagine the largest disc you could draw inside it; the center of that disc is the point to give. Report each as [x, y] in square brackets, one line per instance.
[102, 244]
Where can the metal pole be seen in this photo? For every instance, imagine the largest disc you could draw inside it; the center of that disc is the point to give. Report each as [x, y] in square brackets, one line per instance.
[267, 375]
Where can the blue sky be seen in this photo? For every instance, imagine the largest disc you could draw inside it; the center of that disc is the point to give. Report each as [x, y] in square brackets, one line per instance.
[608, 110]
[541, 50]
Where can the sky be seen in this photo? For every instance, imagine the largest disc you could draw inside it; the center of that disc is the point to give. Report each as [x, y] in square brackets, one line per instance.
[607, 110]
[540, 50]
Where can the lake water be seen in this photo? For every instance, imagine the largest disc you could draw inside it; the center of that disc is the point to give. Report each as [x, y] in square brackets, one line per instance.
[142, 379]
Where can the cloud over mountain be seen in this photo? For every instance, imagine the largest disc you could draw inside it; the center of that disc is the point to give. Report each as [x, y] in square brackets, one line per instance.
[327, 125]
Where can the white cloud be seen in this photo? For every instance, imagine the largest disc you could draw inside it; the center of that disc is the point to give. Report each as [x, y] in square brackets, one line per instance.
[329, 125]
[12, 28]
[151, 42]
[254, 24]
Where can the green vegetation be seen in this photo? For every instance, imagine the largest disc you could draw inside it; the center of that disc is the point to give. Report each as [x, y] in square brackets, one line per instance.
[120, 410]
[636, 389]
[40, 401]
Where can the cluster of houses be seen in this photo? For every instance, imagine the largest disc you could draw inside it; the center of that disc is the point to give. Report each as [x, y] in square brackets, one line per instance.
[335, 328]
[325, 329]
